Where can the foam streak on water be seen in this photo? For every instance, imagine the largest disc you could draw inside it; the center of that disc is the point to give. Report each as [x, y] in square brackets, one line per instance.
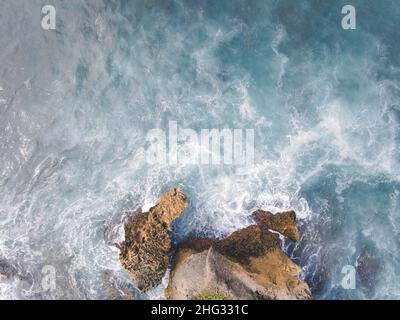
[76, 104]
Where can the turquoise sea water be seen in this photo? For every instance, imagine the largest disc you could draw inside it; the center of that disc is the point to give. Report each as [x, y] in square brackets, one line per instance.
[77, 102]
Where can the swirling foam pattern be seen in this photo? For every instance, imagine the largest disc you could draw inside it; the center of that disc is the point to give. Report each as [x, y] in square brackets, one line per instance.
[76, 104]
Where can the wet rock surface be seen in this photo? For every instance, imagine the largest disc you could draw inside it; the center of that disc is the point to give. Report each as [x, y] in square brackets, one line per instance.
[145, 251]
[282, 222]
[248, 264]
[368, 270]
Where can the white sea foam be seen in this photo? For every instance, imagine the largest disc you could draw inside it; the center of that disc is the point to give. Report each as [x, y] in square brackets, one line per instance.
[73, 151]
[280, 35]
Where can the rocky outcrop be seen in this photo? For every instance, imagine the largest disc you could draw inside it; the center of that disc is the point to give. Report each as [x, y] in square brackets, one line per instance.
[249, 264]
[145, 251]
[368, 270]
[283, 222]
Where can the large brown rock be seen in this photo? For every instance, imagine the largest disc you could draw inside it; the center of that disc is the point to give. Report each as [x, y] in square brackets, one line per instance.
[145, 251]
[249, 264]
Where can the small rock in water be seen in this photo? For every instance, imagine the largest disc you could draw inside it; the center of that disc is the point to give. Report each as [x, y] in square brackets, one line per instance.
[116, 288]
[10, 272]
[6, 269]
[283, 222]
[368, 270]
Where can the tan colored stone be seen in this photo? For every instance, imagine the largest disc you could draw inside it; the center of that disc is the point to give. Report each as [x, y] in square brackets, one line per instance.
[144, 253]
[248, 264]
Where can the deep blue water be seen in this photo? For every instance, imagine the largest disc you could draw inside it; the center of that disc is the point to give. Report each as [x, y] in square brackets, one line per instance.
[76, 104]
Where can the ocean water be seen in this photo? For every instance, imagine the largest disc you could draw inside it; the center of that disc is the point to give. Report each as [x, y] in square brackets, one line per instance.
[76, 104]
